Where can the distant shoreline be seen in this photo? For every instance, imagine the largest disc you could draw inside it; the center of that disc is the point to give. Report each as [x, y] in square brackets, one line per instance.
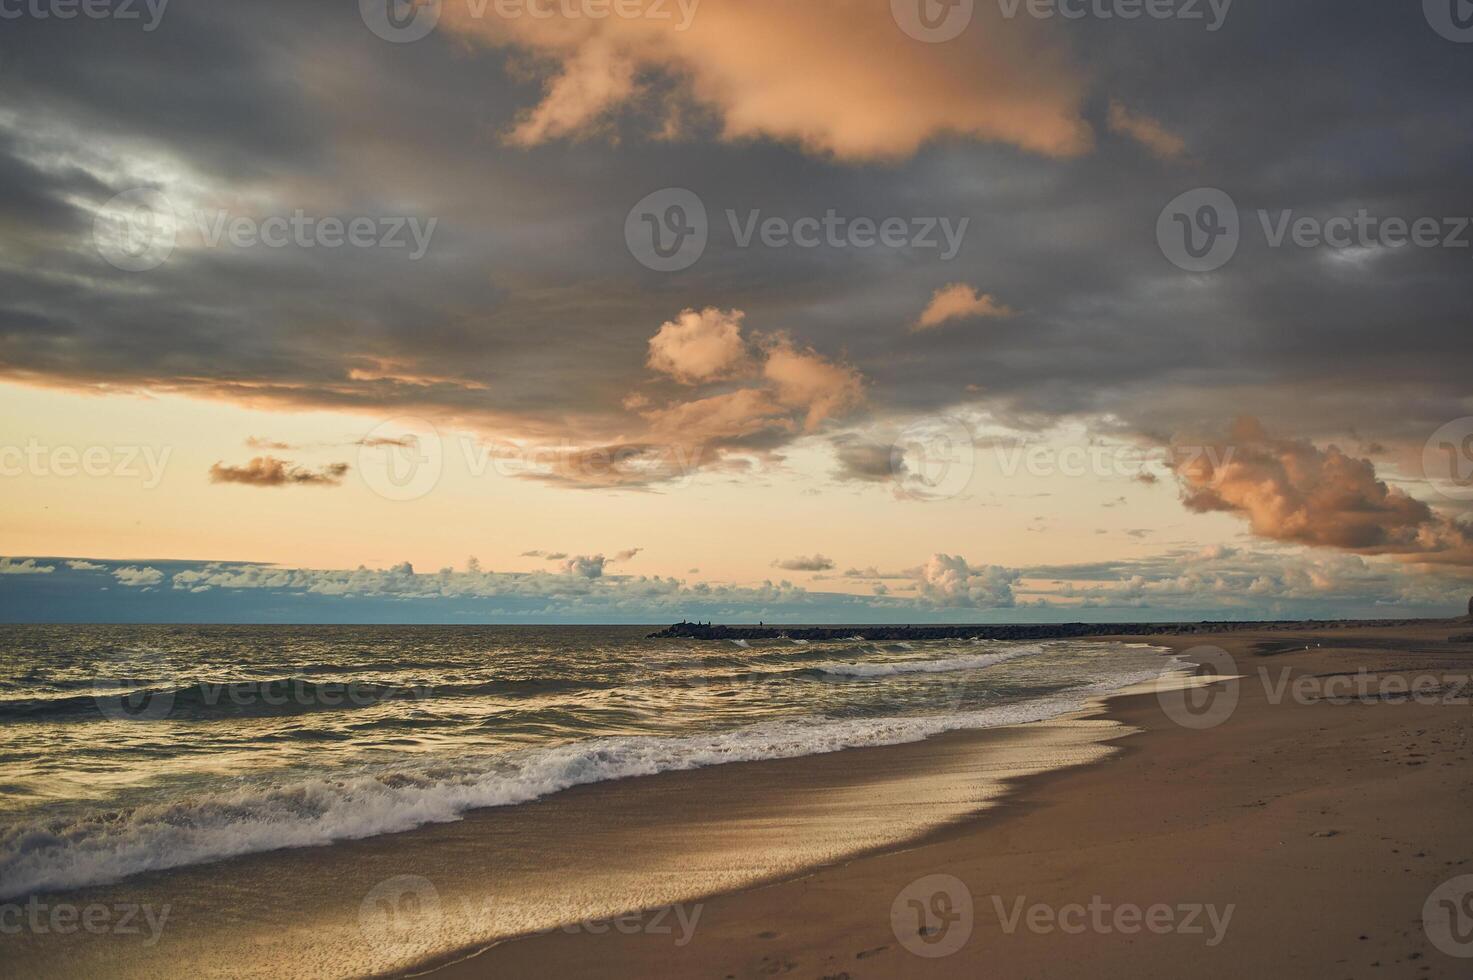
[1016, 631]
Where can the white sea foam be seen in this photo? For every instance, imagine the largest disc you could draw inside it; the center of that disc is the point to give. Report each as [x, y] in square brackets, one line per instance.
[742, 643]
[889, 668]
[43, 856]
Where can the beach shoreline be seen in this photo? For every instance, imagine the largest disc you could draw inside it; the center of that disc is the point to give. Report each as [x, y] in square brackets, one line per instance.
[594, 850]
[795, 866]
[1318, 886]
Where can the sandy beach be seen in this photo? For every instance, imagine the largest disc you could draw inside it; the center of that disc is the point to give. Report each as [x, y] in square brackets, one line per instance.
[1323, 823]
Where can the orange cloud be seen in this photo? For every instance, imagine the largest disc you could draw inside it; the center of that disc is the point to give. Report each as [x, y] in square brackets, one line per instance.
[833, 76]
[729, 415]
[804, 379]
[754, 395]
[268, 471]
[702, 346]
[1292, 491]
[1146, 131]
[957, 302]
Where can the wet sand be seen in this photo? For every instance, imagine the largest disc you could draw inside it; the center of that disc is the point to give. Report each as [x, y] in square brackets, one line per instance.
[1324, 824]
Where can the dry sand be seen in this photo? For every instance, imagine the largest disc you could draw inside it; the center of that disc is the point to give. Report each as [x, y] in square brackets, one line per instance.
[1324, 824]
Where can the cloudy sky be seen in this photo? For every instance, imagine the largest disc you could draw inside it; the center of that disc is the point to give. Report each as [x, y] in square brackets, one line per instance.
[598, 310]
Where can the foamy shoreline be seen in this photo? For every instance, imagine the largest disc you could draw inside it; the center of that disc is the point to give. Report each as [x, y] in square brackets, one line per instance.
[854, 817]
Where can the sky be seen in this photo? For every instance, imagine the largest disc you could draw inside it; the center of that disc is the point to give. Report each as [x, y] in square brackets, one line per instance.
[640, 310]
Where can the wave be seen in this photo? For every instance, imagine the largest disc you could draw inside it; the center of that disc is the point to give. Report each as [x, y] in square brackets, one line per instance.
[742, 643]
[261, 698]
[104, 848]
[889, 668]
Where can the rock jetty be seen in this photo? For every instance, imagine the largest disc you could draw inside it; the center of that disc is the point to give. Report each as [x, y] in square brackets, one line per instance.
[1002, 631]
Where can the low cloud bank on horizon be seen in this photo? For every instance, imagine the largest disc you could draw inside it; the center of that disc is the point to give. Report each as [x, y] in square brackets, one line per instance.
[1213, 583]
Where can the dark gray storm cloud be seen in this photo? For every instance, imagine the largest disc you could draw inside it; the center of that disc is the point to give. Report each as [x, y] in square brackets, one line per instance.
[526, 313]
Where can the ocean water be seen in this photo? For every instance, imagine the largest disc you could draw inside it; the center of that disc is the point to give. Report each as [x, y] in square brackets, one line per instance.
[137, 748]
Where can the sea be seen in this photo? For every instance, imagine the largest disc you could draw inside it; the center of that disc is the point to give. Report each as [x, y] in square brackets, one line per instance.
[132, 749]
